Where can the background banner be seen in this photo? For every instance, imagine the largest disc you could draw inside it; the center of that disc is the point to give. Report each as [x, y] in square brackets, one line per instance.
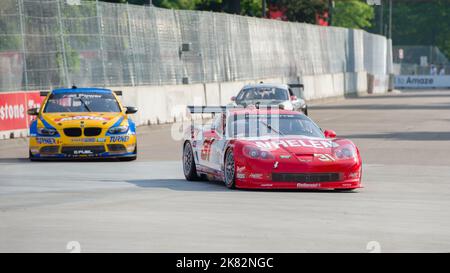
[422, 81]
[13, 109]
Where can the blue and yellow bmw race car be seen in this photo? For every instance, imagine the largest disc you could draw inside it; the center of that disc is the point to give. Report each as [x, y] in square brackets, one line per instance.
[82, 123]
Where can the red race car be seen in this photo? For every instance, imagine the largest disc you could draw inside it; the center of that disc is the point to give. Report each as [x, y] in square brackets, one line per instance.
[268, 148]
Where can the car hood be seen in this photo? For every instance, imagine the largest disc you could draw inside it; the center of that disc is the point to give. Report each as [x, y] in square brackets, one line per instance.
[64, 120]
[298, 145]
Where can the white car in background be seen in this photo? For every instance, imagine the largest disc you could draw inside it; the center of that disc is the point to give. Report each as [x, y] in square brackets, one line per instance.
[266, 94]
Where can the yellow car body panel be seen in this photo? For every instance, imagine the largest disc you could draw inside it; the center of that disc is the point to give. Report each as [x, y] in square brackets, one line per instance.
[82, 134]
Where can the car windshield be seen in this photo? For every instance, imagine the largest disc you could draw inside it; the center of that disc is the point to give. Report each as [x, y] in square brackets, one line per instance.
[272, 125]
[81, 102]
[262, 93]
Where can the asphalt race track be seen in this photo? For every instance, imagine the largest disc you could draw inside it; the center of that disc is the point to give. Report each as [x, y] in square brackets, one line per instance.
[146, 205]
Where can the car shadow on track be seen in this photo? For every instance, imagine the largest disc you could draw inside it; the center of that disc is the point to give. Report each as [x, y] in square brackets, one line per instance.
[13, 160]
[216, 186]
[179, 184]
[78, 160]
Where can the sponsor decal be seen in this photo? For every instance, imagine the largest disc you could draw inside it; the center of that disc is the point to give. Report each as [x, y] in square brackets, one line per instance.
[324, 157]
[45, 140]
[256, 175]
[83, 95]
[275, 165]
[240, 172]
[285, 156]
[308, 143]
[240, 175]
[102, 139]
[89, 139]
[307, 185]
[82, 152]
[70, 118]
[119, 138]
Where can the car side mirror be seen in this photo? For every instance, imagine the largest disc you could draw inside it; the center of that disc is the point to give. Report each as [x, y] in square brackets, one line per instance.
[33, 111]
[294, 98]
[131, 110]
[233, 98]
[329, 133]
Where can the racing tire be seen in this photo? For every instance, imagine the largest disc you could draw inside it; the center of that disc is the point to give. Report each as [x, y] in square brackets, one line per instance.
[31, 157]
[229, 170]
[189, 168]
[305, 111]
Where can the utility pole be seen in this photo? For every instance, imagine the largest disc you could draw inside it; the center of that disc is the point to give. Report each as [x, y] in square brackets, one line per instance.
[390, 19]
[330, 12]
[381, 17]
[264, 8]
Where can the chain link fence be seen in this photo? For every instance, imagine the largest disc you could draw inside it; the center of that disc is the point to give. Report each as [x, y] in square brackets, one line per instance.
[420, 60]
[52, 43]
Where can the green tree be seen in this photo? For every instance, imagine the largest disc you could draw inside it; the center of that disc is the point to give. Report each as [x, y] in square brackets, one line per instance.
[251, 7]
[421, 23]
[210, 5]
[176, 4]
[352, 14]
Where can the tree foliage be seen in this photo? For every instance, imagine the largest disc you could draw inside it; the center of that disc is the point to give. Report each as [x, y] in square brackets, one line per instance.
[352, 14]
[422, 23]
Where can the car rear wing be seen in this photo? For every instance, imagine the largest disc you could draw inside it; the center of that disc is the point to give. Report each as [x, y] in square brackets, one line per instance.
[223, 109]
[207, 109]
[296, 85]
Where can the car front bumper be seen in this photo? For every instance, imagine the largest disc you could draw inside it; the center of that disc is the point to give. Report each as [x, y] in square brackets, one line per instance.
[80, 148]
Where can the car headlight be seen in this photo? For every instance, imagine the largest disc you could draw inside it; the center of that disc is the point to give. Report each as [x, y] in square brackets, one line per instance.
[118, 130]
[46, 131]
[256, 153]
[345, 152]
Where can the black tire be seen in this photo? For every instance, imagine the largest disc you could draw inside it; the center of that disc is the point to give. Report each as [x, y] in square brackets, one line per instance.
[189, 168]
[31, 157]
[305, 111]
[229, 171]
